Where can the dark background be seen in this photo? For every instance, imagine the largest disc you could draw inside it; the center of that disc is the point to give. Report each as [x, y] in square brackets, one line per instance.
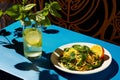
[96, 18]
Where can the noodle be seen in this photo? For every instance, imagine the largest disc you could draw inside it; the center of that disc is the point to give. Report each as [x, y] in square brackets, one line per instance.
[79, 58]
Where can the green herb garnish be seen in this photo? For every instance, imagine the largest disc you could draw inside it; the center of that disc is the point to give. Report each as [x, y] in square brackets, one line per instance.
[24, 13]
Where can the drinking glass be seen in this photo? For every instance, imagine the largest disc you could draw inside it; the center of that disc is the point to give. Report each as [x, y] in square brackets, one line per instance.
[32, 42]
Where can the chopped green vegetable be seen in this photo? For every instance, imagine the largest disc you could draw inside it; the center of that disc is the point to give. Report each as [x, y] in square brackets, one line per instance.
[66, 49]
[80, 57]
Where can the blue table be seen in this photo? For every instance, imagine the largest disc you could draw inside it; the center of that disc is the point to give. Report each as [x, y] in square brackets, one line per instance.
[13, 61]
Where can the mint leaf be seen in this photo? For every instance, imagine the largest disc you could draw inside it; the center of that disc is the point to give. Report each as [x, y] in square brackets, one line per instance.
[29, 7]
[13, 11]
[14, 8]
[22, 16]
[46, 22]
[45, 11]
[56, 6]
[54, 12]
[40, 17]
[12, 14]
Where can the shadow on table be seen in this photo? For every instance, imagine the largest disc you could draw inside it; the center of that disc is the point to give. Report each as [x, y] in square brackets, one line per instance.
[18, 46]
[43, 62]
[50, 31]
[106, 74]
[5, 33]
[46, 75]
[12, 44]
[43, 75]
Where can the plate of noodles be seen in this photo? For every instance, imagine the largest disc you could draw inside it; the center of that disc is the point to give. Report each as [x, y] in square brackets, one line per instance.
[81, 58]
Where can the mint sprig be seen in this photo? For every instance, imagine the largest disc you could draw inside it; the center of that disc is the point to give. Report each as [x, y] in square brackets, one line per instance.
[24, 10]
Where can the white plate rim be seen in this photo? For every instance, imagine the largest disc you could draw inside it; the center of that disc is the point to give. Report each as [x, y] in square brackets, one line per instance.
[105, 64]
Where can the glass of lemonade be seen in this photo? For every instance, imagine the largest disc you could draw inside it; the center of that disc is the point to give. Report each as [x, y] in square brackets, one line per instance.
[32, 40]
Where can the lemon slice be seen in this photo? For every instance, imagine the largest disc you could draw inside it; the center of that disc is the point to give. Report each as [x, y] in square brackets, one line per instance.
[32, 36]
[98, 50]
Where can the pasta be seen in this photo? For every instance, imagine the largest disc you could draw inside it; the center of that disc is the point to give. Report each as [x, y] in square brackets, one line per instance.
[79, 58]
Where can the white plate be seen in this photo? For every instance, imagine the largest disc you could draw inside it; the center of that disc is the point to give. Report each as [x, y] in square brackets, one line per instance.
[56, 54]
